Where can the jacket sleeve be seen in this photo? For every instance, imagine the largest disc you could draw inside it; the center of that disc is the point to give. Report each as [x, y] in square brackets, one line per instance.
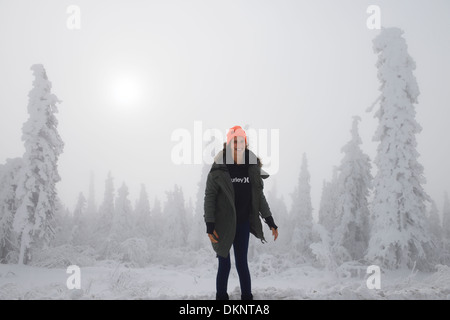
[211, 191]
[264, 209]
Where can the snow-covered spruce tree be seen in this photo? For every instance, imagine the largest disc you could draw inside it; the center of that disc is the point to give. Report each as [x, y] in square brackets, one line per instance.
[398, 236]
[301, 214]
[434, 222]
[197, 234]
[91, 209]
[322, 248]
[434, 228]
[91, 215]
[122, 220]
[37, 181]
[64, 226]
[80, 207]
[328, 201]
[280, 211]
[131, 248]
[175, 219]
[106, 210]
[107, 206]
[159, 224]
[101, 240]
[8, 207]
[354, 182]
[79, 221]
[142, 213]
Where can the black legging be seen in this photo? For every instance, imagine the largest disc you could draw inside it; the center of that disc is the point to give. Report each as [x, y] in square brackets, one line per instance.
[240, 247]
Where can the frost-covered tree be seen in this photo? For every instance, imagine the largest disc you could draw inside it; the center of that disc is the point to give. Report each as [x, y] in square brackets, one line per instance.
[122, 220]
[354, 183]
[100, 239]
[79, 221]
[434, 228]
[159, 225]
[107, 206]
[434, 222]
[64, 226]
[398, 237]
[301, 204]
[91, 218]
[106, 210]
[328, 202]
[322, 248]
[8, 206]
[157, 210]
[189, 212]
[175, 219]
[80, 207]
[197, 234]
[142, 213]
[37, 182]
[301, 213]
[91, 209]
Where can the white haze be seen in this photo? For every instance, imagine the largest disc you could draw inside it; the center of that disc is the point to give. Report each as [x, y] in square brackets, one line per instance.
[303, 67]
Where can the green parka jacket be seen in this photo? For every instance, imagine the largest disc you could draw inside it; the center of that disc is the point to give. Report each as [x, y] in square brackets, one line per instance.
[219, 202]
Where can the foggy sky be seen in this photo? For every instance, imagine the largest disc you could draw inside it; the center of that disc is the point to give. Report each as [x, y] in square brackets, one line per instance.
[302, 67]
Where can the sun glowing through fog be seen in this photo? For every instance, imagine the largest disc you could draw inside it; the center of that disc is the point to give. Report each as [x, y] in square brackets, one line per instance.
[126, 92]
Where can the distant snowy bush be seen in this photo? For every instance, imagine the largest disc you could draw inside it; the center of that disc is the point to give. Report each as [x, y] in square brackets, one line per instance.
[134, 250]
[322, 248]
[109, 249]
[64, 256]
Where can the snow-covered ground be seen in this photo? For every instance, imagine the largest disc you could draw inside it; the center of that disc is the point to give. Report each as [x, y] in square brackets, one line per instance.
[111, 280]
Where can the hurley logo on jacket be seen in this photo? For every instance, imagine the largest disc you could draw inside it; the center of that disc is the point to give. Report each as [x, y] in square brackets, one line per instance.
[240, 180]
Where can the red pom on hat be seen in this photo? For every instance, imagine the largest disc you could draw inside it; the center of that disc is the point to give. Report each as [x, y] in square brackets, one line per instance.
[236, 131]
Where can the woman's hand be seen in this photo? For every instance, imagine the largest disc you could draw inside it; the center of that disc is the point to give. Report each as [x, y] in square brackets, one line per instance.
[275, 234]
[211, 237]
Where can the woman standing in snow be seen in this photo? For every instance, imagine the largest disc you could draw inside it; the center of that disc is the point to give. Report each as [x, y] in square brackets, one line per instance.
[234, 199]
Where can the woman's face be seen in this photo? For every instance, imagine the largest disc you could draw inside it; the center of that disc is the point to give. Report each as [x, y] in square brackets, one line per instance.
[239, 145]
